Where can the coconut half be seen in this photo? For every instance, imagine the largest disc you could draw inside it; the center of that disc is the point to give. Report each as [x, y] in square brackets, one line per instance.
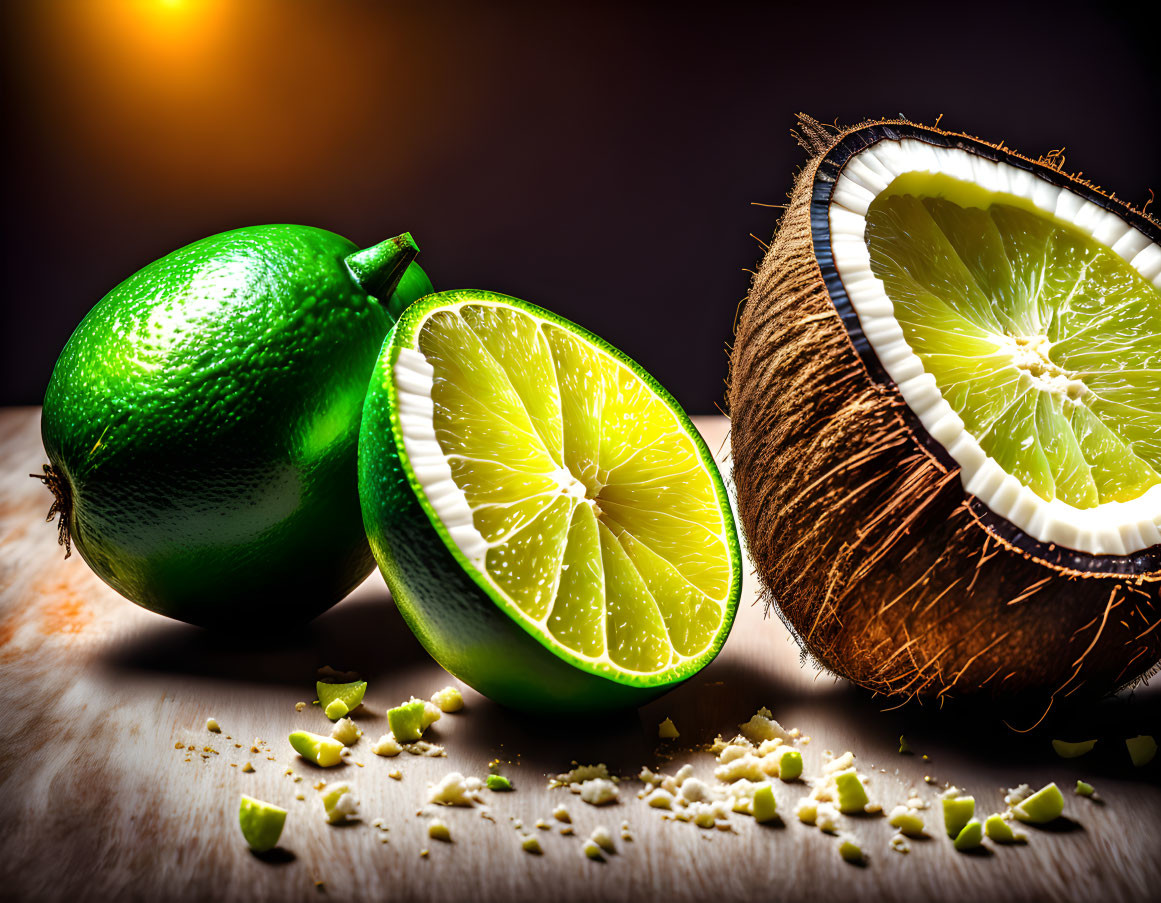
[945, 405]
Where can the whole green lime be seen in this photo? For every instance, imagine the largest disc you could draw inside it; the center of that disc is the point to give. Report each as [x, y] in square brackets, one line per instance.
[202, 423]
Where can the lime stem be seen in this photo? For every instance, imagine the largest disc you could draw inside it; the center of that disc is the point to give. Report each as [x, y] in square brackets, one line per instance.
[379, 268]
[61, 504]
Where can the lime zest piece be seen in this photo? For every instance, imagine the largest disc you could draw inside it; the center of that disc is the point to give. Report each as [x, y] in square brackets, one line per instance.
[336, 709]
[850, 850]
[1000, 830]
[498, 782]
[852, 796]
[1142, 749]
[408, 721]
[970, 836]
[1083, 788]
[350, 694]
[957, 812]
[763, 805]
[325, 752]
[790, 765]
[1067, 750]
[261, 823]
[1043, 806]
[904, 746]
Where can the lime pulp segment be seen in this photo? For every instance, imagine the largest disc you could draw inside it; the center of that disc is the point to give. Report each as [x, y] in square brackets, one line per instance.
[1044, 341]
[581, 496]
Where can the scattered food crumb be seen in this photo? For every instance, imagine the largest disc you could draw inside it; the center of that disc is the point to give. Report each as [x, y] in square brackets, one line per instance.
[602, 838]
[449, 699]
[346, 732]
[340, 803]
[212, 726]
[387, 745]
[667, 730]
[247, 768]
[437, 830]
[455, 790]
[598, 792]
[531, 844]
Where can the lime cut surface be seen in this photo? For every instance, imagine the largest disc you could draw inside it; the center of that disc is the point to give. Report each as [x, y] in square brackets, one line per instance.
[1044, 341]
[569, 486]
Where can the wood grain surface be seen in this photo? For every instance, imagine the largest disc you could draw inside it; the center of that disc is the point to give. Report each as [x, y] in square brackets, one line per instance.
[96, 802]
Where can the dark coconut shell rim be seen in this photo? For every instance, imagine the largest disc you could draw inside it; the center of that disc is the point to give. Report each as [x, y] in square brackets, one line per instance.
[853, 143]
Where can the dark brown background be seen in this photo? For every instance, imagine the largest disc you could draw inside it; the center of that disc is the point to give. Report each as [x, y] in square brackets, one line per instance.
[599, 159]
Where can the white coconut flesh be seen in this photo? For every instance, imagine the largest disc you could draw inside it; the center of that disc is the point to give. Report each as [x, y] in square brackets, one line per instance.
[1021, 323]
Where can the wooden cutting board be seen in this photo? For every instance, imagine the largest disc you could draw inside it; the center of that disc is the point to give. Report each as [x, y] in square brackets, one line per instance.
[98, 801]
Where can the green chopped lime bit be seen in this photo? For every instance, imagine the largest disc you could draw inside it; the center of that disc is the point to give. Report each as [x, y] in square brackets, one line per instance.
[1067, 750]
[407, 721]
[904, 746]
[323, 751]
[957, 812]
[763, 806]
[497, 782]
[1043, 806]
[790, 765]
[351, 695]
[336, 709]
[1083, 788]
[998, 829]
[261, 823]
[851, 852]
[852, 796]
[970, 836]
[907, 822]
[1141, 749]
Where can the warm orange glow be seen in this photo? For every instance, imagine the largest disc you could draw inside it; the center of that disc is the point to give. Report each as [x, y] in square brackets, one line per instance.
[192, 91]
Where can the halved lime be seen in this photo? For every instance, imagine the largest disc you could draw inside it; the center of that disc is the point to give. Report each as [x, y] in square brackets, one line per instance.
[550, 523]
[1044, 341]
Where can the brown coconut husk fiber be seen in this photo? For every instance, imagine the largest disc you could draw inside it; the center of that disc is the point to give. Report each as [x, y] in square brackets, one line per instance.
[881, 564]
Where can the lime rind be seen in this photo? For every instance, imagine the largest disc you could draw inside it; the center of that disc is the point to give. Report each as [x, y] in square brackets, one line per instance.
[349, 694]
[404, 337]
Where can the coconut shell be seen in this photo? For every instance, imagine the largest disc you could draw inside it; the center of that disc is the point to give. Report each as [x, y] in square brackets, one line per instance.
[887, 572]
